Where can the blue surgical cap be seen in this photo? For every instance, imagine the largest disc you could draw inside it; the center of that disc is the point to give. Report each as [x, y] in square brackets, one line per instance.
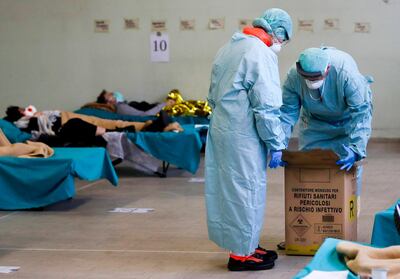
[273, 19]
[314, 60]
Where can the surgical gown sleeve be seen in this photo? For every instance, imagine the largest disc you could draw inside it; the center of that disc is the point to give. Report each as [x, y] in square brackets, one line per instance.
[290, 109]
[358, 98]
[265, 95]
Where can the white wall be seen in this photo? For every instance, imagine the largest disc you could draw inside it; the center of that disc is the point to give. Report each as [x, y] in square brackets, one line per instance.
[50, 56]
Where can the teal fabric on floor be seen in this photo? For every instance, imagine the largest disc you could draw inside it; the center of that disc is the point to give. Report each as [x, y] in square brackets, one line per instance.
[37, 182]
[114, 116]
[326, 259]
[385, 233]
[180, 149]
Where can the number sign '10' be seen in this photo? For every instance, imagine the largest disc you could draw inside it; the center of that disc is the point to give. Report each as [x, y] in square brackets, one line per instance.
[159, 47]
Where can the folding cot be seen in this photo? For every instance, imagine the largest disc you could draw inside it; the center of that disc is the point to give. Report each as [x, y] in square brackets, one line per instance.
[180, 149]
[38, 182]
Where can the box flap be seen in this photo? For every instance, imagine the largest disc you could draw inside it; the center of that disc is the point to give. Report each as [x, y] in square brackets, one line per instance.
[312, 157]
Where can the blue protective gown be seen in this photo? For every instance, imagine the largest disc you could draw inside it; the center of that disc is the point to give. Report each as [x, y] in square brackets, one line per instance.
[245, 96]
[340, 112]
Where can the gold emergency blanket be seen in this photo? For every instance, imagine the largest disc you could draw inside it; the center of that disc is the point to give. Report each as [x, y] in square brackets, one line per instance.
[186, 108]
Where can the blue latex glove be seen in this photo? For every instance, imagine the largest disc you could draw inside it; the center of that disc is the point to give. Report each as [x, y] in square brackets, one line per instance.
[276, 159]
[348, 161]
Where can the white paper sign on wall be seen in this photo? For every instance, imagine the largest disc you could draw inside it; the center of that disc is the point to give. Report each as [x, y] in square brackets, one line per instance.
[362, 27]
[159, 47]
[187, 24]
[101, 26]
[131, 23]
[331, 24]
[158, 25]
[216, 23]
[306, 25]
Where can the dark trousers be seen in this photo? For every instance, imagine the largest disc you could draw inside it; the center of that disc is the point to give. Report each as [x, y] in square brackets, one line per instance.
[76, 132]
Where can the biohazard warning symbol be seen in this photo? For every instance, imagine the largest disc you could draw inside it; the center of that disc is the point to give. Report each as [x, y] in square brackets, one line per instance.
[300, 225]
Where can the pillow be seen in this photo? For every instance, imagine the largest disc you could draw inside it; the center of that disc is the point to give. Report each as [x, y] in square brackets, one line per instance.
[12, 133]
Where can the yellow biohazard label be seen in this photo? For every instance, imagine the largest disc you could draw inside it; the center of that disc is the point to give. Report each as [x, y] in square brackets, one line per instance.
[306, 250]
[352, 208]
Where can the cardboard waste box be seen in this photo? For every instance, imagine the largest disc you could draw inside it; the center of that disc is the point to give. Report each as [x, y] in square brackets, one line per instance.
[320, 201]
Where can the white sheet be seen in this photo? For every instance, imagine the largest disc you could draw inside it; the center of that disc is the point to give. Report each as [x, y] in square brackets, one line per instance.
[315, 274]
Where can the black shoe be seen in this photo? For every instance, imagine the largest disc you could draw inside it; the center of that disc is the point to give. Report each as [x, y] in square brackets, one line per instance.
[117, 162]
[253, 262]
[164, 118]
[267, 254]
[281, 245]
[160, 123]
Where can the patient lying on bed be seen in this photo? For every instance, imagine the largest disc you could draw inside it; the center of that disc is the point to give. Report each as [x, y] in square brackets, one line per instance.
[116, 101]
[72, 127]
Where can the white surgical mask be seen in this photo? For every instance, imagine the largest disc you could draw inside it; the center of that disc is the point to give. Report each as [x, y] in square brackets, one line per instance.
[276, 47]
[315, 84]
[30, 111]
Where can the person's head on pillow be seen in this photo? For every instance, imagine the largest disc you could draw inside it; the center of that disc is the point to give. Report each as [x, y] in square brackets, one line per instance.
[14, 113]
[106, 97]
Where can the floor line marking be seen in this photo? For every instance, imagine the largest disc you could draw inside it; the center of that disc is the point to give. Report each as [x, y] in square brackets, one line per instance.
[106, 250]
[6, 216]
[87, 186]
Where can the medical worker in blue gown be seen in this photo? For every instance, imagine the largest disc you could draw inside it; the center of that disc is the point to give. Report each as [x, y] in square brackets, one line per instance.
[335, 102]
[245, 96]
